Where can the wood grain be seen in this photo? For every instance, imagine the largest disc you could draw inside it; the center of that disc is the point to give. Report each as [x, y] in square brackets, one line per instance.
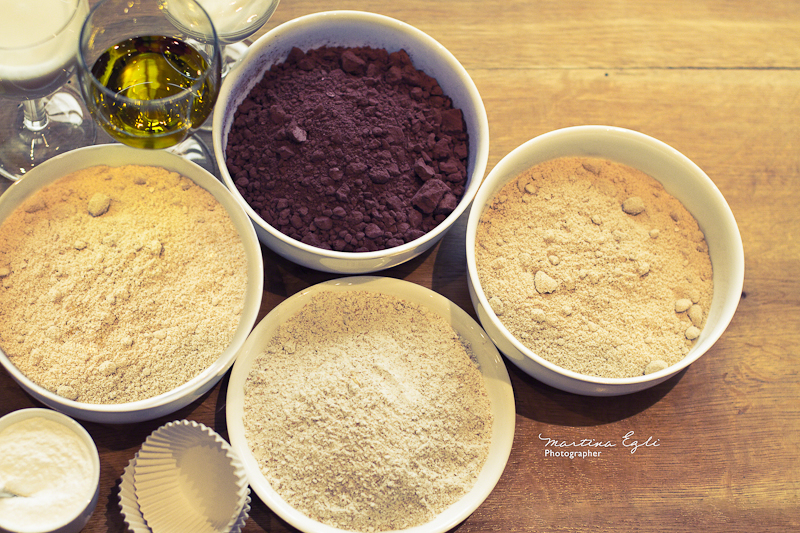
[720, 82]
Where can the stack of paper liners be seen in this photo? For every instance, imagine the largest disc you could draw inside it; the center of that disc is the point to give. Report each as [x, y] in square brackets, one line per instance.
[128, 504]
[187, 478]
[132, 514]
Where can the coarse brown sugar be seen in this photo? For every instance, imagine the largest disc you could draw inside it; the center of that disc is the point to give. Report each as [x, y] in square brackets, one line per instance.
[593, 266]
[367, 413]
[118, 283]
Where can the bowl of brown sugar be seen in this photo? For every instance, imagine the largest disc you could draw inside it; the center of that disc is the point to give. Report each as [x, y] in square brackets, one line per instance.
[129, 280]
[602, 261]
[353, 140]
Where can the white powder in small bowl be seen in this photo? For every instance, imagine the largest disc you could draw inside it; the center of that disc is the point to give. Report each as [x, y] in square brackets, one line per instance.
[49, 467]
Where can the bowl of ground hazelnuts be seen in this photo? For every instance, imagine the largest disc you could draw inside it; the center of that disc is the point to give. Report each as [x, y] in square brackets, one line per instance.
[602, 261]
[353, 140]
[129, 280]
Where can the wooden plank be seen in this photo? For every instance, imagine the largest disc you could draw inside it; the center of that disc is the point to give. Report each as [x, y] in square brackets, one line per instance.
[716, 79]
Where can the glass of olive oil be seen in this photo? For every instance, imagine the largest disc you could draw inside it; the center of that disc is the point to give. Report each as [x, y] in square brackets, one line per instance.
[150, 78]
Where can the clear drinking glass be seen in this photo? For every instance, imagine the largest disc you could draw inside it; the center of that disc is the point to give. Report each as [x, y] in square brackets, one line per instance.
[150, 73]
[40, 117]
[235, 21]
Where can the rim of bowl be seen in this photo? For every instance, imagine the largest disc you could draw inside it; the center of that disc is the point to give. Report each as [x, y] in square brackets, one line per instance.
[30, 412]
[109, 412]
[348, 17]
[504, 167]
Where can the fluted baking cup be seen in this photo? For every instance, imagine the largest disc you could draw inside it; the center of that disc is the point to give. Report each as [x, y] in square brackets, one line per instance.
[132, 515]
[128, 504]
[187, 478]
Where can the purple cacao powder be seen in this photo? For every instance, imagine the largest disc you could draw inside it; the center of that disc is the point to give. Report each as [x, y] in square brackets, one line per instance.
[349, 149]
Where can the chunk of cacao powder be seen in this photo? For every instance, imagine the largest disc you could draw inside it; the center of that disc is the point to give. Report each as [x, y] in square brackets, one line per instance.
[349, 149]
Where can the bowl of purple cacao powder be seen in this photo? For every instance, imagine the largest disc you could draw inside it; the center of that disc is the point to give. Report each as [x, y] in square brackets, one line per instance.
[354, 141]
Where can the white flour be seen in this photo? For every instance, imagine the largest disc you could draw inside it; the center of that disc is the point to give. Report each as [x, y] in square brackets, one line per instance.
[366, 413]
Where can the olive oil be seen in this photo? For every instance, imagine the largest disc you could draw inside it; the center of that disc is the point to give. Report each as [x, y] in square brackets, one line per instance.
[160, 88]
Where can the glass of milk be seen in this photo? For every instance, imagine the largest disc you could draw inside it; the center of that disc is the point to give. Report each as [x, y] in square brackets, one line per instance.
[40, 115]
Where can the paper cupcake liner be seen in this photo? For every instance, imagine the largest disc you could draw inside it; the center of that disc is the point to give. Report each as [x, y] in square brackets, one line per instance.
[132, 515]
[128, 505]
[187, 478]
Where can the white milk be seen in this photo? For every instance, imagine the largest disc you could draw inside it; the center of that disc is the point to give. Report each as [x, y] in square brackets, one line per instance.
[38, 45]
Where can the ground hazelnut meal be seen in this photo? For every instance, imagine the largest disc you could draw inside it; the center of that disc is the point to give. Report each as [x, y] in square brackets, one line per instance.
[366, 412]
[118, 284]
[595, 267]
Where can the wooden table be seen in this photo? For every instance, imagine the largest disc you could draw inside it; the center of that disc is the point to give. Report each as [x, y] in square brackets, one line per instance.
[720, 82]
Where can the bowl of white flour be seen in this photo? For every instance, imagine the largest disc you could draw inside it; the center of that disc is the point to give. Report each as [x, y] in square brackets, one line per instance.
[602, 261]
[394, 409]
[129, 279]
[50, 464]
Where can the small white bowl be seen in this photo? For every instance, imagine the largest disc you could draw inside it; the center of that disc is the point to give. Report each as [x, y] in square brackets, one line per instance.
[187, 478]
[169, 402]
[86, 502]
[682, 179]
[495, 376]
[353, 28]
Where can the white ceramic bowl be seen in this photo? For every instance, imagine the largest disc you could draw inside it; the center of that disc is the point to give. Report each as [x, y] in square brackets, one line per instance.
[491, 365]
[353, 28]
[85, 503]
[115, 155]
[682, 179]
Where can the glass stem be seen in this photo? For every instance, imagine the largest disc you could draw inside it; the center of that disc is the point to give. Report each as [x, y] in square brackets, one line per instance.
[35, 116]
[226, 62]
